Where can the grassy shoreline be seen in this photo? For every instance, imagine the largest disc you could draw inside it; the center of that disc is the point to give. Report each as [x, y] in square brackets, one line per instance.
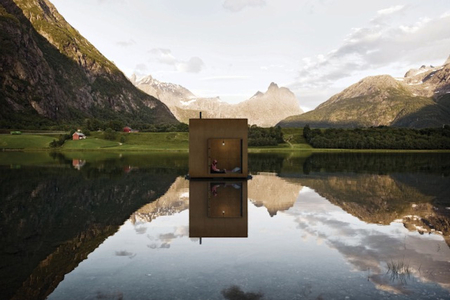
[151, 141]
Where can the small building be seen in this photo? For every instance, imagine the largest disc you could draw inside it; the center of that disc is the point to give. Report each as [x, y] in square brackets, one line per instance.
[221, 140]
[78, 136]
[127, 129]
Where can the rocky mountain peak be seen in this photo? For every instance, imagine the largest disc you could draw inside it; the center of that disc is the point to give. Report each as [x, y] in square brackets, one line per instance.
[375, 86]
[133, 79]
[447, 61]
[258, 94]
[263, 109]
[272, 86]
[414, 72]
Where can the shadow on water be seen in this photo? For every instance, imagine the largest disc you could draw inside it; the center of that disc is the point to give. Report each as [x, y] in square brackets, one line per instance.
[54, 215]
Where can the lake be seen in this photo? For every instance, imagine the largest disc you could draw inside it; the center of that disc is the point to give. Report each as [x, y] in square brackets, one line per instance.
[305, 226]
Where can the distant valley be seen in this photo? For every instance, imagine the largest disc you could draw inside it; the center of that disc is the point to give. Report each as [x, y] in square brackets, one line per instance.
[263, 109]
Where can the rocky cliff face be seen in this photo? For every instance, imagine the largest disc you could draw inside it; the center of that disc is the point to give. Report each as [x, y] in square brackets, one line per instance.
[263, 109]
[50, 74]
[420, 99]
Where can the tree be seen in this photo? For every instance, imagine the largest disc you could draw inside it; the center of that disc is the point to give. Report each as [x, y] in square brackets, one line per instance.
[109, 134]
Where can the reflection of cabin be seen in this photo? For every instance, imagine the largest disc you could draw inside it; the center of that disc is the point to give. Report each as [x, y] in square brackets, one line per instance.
[224, 140]
[78, 136]
[218, 208]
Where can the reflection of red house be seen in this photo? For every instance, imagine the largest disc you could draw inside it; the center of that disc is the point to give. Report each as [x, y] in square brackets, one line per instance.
[127, 169]
[78, 136]
[78, 163]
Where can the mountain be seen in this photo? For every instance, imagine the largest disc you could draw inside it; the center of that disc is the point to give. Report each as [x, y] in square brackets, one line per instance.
[50, 74]
[263, 109]
[420, 99]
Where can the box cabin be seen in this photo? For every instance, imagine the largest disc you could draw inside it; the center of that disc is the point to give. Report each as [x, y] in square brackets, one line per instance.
[221, 140]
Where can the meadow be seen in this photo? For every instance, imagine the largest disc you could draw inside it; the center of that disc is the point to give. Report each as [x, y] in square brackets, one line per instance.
[137, 141]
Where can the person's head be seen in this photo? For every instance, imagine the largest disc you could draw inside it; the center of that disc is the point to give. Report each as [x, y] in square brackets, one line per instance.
[214, 162]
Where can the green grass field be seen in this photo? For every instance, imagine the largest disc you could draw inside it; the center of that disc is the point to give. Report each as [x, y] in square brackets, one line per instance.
[141, 141]
[26, 141]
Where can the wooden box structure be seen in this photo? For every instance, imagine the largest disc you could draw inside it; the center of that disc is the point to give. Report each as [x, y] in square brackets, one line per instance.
[224, 140]
[218, 208]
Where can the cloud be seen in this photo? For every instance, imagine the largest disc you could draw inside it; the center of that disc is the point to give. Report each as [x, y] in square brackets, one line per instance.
[366, 247]
[384, 42]
[238, 5]
[164, 56]
[390, 10]
[126, 43]
[193, 65]
[225, 78]
[140, 70]
[109, 1]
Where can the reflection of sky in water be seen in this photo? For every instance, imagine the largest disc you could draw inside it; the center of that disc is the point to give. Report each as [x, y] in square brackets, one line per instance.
[313, 250]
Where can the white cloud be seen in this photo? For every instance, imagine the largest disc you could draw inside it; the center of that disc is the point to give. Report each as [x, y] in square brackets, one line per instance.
[130, 42]
[378, 45]
[193, 65]
[164, 56]
[141, 69]
[390, 10]
[238, 5]
[225, 77]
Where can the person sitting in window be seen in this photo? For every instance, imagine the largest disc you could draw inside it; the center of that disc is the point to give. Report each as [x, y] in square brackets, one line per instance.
[215, 169]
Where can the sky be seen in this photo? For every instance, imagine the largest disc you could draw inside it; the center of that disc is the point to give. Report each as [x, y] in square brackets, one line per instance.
[234, 48]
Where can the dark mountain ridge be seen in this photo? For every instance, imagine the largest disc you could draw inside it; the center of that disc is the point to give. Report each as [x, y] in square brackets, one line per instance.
[50, 74]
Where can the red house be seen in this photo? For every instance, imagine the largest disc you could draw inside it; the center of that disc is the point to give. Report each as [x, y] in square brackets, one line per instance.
[127, 129]
[78, 136]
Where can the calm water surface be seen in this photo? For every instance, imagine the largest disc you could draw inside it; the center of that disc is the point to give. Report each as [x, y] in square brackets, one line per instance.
[320, 226]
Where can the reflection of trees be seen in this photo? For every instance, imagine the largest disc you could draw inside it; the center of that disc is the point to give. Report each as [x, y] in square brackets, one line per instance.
[52, 218]
[287, 162]
[378, 163]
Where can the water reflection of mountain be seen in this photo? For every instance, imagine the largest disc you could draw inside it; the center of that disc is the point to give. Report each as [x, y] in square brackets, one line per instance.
[273, 192]
[382, 188]
[175, 200]
[52, 218]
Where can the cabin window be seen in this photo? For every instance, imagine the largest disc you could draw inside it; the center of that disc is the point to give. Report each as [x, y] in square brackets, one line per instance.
[227, 153]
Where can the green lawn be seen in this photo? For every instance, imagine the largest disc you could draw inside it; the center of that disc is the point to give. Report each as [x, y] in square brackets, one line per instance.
[140, 141]
[156, 141]
[91, 143]
[26, 141]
